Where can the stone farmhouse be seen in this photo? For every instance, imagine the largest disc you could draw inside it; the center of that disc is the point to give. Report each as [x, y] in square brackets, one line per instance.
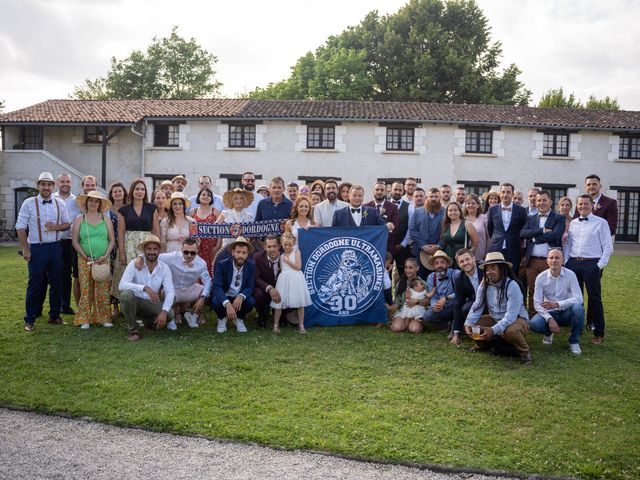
[478, 146]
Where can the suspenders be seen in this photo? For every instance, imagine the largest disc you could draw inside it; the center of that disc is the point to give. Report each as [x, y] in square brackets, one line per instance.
[55, 200]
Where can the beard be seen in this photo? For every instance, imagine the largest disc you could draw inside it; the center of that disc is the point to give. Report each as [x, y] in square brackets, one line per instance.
[332, 196]
[249, 187]
[433, 207]
[151, 257]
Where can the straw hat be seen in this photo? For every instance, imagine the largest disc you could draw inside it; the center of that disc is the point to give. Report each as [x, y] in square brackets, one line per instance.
[439, 254]
[81, 200]
[486, 195]
[180, 177]
[262, 187]
[150, 238]
[495, 258]
[228, 196]
[166, 183]
[45, 177]
[180, 196]
[424, 259]
[317, 182]
[240, 241]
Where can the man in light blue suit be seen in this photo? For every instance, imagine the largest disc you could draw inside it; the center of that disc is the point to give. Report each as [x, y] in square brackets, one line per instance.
[425, 227]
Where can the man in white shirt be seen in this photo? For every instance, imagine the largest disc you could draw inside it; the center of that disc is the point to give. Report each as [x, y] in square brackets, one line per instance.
[323, 212]
[140, 290]
[69, 255]
[45, 217]
[410, 185]
[557, 300]
[588, 249]
[191, 282]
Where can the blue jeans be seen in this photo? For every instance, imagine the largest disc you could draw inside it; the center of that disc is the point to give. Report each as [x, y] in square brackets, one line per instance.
[441, 318]
[572, 316]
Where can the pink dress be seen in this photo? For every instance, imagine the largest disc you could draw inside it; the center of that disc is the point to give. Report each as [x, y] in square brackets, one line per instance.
[480, 224]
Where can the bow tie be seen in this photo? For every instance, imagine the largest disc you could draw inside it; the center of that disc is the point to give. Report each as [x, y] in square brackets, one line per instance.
[355, 210]
[505, 209]
[583, 219]
[544, 215]
[44, 202]
[397, 202]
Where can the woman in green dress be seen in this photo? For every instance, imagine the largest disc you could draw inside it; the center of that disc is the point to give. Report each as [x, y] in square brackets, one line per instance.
[456, 232]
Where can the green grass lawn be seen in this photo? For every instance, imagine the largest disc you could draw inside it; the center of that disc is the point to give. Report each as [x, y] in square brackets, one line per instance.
[351, 390]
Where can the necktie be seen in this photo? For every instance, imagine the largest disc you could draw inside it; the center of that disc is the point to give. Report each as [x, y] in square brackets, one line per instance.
[44, 202]
[355, 210]
[379, 207]
[274, 267]
[505, 209]
[583, 219]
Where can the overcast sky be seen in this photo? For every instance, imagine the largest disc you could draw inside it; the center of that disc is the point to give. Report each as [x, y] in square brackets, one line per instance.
[49, 46]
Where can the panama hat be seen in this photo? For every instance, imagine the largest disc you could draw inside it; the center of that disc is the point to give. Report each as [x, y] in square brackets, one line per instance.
[45, 177]
[150, 238]
[495, 258]
[166, 183]
[180, 196]
[424, 259]
[81, 200]
[439, 254]
[486, 195]
[262, 187]
[240, 241]
[180, 177]
[228, 197]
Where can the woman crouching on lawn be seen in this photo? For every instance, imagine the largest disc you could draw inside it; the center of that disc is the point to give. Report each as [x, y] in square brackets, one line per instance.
[399, 323]
[94, 240]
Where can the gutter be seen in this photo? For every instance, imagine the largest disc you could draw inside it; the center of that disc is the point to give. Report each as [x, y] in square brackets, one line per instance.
[141, 135]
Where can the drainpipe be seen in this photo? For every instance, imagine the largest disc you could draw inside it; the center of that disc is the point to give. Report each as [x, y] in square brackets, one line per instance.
[141, 135]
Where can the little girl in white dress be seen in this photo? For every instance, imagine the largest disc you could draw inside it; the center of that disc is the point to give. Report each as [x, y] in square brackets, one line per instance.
[417, 291]
[291, 284]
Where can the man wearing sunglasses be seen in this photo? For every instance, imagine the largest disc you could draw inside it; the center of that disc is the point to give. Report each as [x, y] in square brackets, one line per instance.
[233, 285]
[191, 282]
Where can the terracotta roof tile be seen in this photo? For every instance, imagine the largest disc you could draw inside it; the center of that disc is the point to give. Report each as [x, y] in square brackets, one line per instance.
[133, 111]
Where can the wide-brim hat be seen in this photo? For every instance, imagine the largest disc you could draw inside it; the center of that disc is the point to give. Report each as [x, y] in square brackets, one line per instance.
[486, 195]
[180, 177]
[228, 197]
[439, 254]
[495, 258]
[166, 183]
[45, 177]
[240, 241]
[150, 238]
[81, 200]
[316, 182]
[180, 196]
[262, 187]
[424, 259]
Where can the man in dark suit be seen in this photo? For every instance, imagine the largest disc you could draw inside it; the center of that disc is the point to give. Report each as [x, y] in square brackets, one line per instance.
[543, 232]
[603, 206]
[357, 215]
[386, 210]
[401, 237]
[266, 274]
[465, 286]
[505, 221]
[233, 286]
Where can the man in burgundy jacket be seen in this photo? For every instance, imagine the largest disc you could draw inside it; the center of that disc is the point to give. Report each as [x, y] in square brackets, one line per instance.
[266, 274]
[387, 210]
[603, 206]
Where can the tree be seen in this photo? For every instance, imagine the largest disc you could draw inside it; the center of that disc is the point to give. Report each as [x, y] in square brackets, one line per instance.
[430, 50]
[171, 67]
[555, 98]
[1, 106]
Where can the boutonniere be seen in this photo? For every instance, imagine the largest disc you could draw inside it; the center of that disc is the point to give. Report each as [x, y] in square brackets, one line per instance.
[597, 206]
[365, 213]
[382, 212]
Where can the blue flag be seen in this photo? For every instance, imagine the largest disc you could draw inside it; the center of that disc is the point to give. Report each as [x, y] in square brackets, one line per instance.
[344, 268]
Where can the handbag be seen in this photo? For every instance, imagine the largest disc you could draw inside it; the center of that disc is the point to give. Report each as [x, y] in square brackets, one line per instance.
[100, 272]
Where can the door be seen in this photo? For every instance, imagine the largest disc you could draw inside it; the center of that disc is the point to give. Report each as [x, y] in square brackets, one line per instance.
[628, 215]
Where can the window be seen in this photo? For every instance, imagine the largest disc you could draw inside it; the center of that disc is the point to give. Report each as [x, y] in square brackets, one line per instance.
[166, 135]
[555, 144]
[156, 180]
[32, 138]
[21, 194]
[628, 214]
[477, 189]
[94, 134]
[321, 137]
[400, 139]
[242, 136]
[629, 147]
[478, 141]
[233, 180]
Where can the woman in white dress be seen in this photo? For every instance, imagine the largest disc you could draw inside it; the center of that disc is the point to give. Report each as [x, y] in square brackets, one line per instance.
[236, 204]
[175, 228]
[301, 217]
[291, 284]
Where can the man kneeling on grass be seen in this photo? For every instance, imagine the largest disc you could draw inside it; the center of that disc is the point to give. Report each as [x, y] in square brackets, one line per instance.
[557, 299]
[500, 293]
[140, 290]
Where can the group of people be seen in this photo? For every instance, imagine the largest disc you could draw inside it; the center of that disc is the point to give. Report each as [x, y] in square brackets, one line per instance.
[460, 262]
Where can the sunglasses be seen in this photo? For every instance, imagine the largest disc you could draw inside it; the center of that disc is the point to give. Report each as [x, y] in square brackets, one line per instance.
[189, 252]
[237, 284]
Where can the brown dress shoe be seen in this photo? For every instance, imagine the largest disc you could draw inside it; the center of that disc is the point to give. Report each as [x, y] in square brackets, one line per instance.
[597, 340]
[526, 359]
[56, 321]
[134, 337]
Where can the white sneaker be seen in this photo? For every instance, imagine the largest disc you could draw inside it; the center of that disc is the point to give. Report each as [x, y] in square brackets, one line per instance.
[172, 325]
[107, 325]
[547, 339]
[575, 348]
[192, 320]
[84, 326]
[222, 325]
[240, 326]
